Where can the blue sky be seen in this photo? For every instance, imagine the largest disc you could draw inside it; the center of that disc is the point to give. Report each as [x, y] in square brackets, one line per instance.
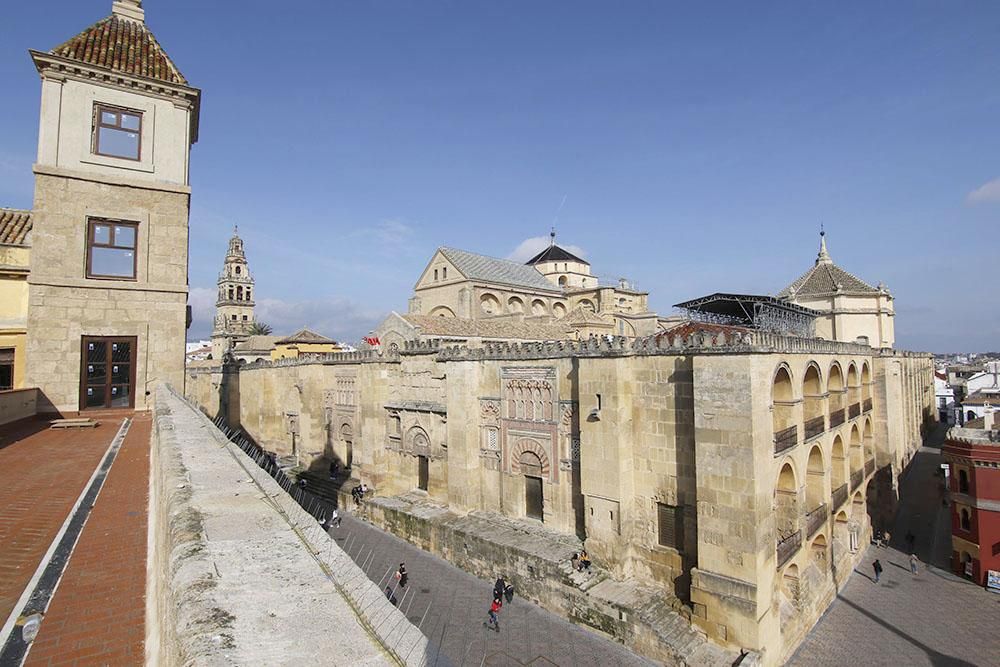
[691, 147]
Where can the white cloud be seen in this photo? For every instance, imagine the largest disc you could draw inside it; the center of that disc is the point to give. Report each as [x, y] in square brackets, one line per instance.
[339, 318]
[528, 248]
[986, 192]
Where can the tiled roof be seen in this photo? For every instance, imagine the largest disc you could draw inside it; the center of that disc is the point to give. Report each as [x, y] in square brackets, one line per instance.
[983, 397]
[121, 45]
[555, 253]
[304, 335]
[497, 329]
[257, 344]
[493, 270]
[825, 277]
[15, 226]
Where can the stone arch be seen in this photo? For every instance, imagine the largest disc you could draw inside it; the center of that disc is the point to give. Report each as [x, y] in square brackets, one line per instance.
[559, 309]
[529, 445]
[442, 311]
[538, 307]
[417, 441]
[625, 328]
[782, 403]
[563, 281]
[856, 453]
[489, 303]
[853, 384]
[857, 505]
[587, 304]
[836, 394]
[866, 381]
[815, 479]
[817, 548]
[786, 500]
[838, 463]
[813, 418]
[868, 440]
[345, 433]
[515, 304]
[790, 582]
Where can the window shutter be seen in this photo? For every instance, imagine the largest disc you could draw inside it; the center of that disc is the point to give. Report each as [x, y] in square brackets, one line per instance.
[670, 525]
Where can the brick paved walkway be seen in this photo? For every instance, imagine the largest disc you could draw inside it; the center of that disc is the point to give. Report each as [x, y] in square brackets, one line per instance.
[97, 616]
[458, 603]
[42, 473]
[933, 618]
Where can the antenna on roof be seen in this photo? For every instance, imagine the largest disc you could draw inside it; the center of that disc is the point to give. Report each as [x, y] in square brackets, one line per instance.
[552, 237]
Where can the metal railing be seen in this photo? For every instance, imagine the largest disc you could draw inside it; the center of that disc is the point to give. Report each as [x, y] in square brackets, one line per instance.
[815, 519]
[855, 410]
[837, 417]
[815, 426]
[869, 467]
[786, 439]
[839, 496]
[868, 405]
[857, 477]
[787, 546]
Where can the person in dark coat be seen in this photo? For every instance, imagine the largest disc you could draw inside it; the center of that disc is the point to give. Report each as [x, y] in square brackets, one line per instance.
[508, 593]
[877, 566]
[499, 587]
[401, 575]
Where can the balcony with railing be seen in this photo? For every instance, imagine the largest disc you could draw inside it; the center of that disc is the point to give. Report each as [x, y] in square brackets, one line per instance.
[868, 405]
[837, 417]
[815, 426]
[869, 467]
[786, 439]
[839, 496]
[857, 477]
[787, 546]
[816, 518]
[854, 410]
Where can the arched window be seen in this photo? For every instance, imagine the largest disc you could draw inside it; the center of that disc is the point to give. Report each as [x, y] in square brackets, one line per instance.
[966, 519]
[237, 270]
[444, 273]
[562, 281]
[435, 274]
[815, 480]
[786, 432]
[814, 420]
[515, 305]
[963, 481]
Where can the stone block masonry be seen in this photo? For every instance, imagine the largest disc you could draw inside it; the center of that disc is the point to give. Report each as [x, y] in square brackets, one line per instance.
[240, 574]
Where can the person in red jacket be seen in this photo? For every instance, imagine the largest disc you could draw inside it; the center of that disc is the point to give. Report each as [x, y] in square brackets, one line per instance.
[494, 622]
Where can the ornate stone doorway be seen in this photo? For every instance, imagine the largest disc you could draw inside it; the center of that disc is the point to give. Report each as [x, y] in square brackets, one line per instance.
[347, 437]
[531, 466]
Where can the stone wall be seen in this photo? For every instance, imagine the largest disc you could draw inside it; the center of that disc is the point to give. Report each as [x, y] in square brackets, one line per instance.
[239, 574]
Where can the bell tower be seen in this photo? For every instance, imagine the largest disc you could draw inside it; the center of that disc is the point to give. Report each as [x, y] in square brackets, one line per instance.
[234, 306]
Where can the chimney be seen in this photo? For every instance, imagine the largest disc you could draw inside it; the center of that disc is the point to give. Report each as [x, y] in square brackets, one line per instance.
[988, 419]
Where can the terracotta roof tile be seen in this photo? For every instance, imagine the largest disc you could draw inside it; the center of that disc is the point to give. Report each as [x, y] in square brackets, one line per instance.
[15, 226]
[121, 45]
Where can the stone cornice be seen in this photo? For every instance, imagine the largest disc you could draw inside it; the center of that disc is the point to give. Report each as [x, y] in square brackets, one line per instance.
[108, 179]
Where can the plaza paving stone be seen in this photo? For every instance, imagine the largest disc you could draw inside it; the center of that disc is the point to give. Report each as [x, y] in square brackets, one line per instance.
[42, 473]
[455, 604]
[931, 618]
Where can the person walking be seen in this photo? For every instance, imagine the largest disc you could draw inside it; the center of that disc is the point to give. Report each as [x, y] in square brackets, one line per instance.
[877, 566]
[401, 575]
[334, 519]
[913, 563]
[508, 593]
[494, 616]
[499, 587]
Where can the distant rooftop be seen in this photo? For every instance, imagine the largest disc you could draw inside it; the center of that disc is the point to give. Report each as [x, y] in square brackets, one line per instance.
[555, 253]
[15, 226]
[825, 278]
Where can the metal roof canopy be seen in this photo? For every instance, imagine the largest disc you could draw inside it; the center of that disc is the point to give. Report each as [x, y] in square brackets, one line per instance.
[765, 313]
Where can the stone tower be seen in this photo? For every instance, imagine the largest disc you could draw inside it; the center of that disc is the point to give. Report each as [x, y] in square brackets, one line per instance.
[234, 305]
[107, 290]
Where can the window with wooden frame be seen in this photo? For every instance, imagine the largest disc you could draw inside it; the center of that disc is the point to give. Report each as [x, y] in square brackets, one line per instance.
[111, 249]
[670, 526]
[117, 132]
[6, 368]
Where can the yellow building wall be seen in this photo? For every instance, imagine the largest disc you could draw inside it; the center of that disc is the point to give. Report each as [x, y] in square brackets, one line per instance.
[14, 305]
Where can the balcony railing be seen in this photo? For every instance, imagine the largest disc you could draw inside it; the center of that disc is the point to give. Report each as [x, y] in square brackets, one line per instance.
[786, 439]
[787, 546]
[868, 405]
[839, 496]
[857, 477]
[855, 410]
[837, 418]
[869, 467]
[815, 426]
[816, 518]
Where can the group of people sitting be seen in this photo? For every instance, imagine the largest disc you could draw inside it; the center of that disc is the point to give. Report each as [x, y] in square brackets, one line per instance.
[580, 561]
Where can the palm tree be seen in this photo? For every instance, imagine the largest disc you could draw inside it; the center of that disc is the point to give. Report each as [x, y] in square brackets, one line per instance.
[260, 329]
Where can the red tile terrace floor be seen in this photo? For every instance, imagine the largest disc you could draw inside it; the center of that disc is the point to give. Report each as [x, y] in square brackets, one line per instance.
[96, 615]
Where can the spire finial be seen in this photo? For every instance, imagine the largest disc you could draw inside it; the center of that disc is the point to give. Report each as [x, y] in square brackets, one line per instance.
[552, 237]
[236, 230]
[128, 9]
[823, 257]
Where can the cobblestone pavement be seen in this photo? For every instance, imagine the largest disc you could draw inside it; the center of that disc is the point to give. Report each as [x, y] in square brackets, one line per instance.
[931, 618]
[42, 473]
[97, 614]
[452, 605]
